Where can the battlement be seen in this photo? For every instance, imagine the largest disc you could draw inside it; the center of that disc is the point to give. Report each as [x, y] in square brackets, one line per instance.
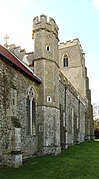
[43, 22]
[69, 43]
[16, 50]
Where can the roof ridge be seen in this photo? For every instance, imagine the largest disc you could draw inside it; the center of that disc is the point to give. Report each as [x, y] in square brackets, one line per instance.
[10, 56]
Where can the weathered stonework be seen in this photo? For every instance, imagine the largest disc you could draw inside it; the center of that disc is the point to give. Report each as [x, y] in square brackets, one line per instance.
[41, 118]
[12, 79]
[79, 79]
[73, 109]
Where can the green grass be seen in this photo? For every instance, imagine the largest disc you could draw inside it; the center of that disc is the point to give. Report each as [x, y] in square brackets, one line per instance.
[77, 162]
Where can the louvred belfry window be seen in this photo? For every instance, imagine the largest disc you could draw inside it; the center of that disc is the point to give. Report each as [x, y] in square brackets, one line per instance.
[65, 60]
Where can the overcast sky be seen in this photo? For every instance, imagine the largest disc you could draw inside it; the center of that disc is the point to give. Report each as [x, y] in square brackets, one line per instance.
[75, 19]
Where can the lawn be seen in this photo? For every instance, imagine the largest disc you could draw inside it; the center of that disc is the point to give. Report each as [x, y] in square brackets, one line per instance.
[77, 162]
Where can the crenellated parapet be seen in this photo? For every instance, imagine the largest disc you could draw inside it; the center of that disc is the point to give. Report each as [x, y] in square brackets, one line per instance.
[43, 23]
[69, 43]
[17, 51]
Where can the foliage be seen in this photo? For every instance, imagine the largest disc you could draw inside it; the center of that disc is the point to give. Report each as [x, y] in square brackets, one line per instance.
[96, 133]
[96, 120]
[96, 129]
[77, 162]
[96, 111]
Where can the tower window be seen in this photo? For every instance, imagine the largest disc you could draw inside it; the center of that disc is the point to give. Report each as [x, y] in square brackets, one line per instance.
[65, 61]
[48, 48]
[49, 99]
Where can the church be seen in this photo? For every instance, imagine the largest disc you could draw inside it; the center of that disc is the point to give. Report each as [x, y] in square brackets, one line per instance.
[45, 100]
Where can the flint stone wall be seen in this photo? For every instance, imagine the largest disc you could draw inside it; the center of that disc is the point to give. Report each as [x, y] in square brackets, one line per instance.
[12, 79]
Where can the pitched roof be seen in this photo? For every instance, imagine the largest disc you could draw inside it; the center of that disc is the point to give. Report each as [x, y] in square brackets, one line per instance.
[18, 63]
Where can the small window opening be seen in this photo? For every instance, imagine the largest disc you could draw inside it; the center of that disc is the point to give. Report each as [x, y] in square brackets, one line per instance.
[47, 48]
[49, 99]
[40, 128]
[13, 101]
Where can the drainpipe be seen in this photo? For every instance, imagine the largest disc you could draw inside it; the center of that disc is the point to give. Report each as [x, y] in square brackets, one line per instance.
[65, 118]
[78, 120]
[65, 104]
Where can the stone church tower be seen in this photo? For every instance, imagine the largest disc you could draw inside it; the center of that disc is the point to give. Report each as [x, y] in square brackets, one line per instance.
[72, 65]
[45, 100]
[46, 66]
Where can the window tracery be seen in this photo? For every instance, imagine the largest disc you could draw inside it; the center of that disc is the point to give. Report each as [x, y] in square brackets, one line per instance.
[65, 60]
[31, 111]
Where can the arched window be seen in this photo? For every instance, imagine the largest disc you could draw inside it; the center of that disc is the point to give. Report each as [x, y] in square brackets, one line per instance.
[31, 112]
[65, 60]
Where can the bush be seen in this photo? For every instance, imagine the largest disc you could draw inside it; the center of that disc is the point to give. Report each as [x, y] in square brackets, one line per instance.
[96, 133]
